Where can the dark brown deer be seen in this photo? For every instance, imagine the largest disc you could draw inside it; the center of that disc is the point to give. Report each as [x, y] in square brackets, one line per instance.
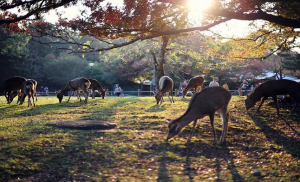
[204, 103]
[165, 86]
[19, 93]
[15, 93]
[273, 88]
[11, 84]
[77, 84]
[29, 90]
[195, 83]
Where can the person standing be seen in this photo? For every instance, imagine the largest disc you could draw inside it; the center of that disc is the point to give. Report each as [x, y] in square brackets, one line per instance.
[182, 87]
[214, 83]
[244, 87]
[118, 90]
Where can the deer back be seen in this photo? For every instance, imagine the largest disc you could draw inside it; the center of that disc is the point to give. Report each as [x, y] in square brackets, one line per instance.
[79, 84]
[165, 84]
[13, 83]
[195, 82]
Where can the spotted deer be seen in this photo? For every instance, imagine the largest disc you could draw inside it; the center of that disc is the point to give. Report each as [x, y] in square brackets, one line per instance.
[77, 84]
[195, 83]
[204, 103]
[165, 86]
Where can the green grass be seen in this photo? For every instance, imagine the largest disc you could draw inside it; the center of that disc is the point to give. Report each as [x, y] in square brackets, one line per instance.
[137, 150]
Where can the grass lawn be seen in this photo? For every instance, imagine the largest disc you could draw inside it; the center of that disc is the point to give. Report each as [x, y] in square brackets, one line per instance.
[137, 151]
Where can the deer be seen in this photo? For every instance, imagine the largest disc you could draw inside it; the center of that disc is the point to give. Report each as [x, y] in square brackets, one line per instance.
[165, 86]
[12, 84]
[204, 103]
[272, 88]
[19, 93]
[95, 85]
[29, 89]
[77, 84]
[194, 83]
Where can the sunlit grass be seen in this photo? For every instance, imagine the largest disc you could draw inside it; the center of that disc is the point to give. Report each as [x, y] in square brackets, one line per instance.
[136, 150]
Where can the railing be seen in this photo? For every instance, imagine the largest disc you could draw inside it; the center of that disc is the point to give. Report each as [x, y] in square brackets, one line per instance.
[140, 93]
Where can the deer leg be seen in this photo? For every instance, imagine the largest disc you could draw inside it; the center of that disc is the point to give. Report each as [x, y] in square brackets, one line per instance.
[35, 95]
[212, 117]
[262, 101]
[161, 100]
[33, 99]
[225, 117]
[172, 96]
[86, 96]
[29, 103]
[71, 92]
[93, 94]
[276, 103]
[7, 96]
[192, 132]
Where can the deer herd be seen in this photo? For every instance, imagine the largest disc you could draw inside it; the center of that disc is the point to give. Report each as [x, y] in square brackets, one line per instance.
[204, 102]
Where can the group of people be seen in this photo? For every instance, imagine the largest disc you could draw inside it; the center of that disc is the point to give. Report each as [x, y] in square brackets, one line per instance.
[243, 87]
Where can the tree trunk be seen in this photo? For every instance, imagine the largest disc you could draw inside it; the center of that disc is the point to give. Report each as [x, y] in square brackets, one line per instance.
[159, 61]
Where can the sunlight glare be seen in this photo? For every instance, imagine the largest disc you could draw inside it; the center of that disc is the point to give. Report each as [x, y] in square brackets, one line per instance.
[199, 5]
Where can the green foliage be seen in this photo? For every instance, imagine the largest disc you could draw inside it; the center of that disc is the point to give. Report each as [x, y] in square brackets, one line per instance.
[63, 69]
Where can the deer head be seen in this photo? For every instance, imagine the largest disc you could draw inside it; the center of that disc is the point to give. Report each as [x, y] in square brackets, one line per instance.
[103, 93]
[174, 128]
[249, 103]
[59, 95]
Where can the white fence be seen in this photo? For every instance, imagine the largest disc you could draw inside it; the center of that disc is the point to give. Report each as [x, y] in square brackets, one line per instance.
[142, 93]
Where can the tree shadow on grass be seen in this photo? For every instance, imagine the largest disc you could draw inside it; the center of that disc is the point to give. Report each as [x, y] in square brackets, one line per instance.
[197, 150]
[217, 152]
[291, 145]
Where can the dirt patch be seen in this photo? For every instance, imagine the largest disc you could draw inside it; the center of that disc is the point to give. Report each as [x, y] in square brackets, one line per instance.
[84, 125]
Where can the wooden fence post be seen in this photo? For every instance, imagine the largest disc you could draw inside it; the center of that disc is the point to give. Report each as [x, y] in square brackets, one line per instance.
[139, 92]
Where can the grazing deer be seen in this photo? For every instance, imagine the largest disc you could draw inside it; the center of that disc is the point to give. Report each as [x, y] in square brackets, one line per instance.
[77, 84]
[95, 85]
[195, 83]
[273, 88]
[15, 93]
[11, 84]
[165, 86]
[204, 103]
[29, 89]
[19, 93]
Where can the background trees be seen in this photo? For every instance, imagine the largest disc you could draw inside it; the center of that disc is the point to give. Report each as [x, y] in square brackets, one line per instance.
[112, 27]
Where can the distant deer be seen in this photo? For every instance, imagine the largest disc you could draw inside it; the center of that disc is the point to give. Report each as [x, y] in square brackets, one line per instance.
[273, 88]
[29, 89]
[195, 83]
[77, 84]
[11, 84]
[165, 86]
[95, 85]
[204, 103]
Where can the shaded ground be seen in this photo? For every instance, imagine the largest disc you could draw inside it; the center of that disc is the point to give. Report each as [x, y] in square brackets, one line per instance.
[260, 146]
[84, 125]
